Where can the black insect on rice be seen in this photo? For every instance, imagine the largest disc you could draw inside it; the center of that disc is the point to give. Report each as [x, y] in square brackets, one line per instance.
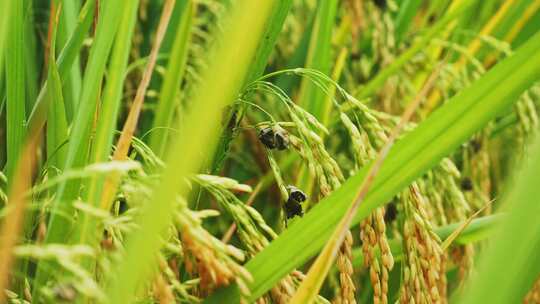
[282, 139]
[293, 209]
[296, 194]
[268, 137]
[274, 138]
[292, 206]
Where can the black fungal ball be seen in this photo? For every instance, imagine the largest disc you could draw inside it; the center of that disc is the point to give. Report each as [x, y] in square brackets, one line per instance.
[296, 194]
[268, 137]
[274, 137]
[293, 208]
[466, 184]
[281, 139]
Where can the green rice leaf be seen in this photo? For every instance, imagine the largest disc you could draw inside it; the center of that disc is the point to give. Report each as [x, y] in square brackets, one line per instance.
[15, 89]
[57, 128]
[170, 90]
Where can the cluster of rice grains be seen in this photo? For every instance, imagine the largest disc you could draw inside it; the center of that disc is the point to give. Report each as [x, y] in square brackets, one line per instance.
[273, 136]
[216, 264]
[252, 230]
[367, 130]
[366, 137]
[423, 271]
[188, 247]
[307, 142]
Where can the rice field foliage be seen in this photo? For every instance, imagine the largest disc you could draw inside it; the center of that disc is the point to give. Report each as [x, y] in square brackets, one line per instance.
[205, 151]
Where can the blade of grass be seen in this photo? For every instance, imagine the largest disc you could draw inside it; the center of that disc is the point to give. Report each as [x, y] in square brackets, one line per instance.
[15, 90]
[80, 133]
[5, 25]
[378, 81]
[273, 26]
[31, 60]
[472, 49]
[404, 18]
[336, 74]
[475, 44]
[73, 82]
[433, 51]
[58, 226]
[298, 58]
[22, 177]
[511, 264]
[437, 136]
[214, 93]
[168, 97]
[513, 25]
[107, 121]
[319, 57]
[526, 26]
[67, 57]
[57, 128]
[517, 13]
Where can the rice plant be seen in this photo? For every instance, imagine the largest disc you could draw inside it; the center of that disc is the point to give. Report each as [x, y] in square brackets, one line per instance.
[314, 151]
